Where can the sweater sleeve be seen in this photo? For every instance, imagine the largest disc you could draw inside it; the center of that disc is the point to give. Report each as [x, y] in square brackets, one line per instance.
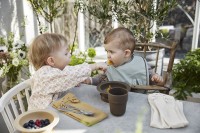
[52, 80]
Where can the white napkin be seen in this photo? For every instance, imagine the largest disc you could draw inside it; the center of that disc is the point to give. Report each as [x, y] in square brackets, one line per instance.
[166, 112]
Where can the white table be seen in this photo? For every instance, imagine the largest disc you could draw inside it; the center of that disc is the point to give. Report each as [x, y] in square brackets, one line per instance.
[137, 103]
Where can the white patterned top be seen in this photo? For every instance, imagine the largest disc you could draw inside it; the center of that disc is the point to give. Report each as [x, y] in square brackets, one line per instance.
[47, 82]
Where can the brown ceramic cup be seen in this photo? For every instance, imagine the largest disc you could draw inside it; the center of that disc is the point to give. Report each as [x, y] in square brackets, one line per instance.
[117, 98]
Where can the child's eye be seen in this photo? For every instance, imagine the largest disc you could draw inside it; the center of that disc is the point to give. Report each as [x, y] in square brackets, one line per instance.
[111, 52]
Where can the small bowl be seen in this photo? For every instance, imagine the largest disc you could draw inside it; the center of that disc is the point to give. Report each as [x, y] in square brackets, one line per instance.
[34, 115]
[103, 88]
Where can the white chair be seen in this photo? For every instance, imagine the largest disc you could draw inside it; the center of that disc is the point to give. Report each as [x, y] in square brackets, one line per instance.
[14, 102]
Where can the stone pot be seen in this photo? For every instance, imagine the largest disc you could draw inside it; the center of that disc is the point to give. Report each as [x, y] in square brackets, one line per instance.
[103, 88]
[117, 98]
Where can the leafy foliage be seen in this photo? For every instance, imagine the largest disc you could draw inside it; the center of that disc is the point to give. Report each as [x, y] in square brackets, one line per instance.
[49, 9]
[79, 57]
[186, 75]
[91, 52]
[138, 15]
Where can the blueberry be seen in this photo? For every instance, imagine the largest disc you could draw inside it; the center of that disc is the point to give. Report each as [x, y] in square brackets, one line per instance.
[31, 122]
[25, 125]
[31, 125]
[42, 123]
[46, 122]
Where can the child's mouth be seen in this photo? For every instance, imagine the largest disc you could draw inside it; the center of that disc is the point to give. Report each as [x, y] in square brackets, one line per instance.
[109, 62]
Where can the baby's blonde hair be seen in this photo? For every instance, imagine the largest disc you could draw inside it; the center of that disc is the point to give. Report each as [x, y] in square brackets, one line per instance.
[124, 38]
[42, 46]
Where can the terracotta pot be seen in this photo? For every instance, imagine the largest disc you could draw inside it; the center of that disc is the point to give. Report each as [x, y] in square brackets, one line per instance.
[117, 98]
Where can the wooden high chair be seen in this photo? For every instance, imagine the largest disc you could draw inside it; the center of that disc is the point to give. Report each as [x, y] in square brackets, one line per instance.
[167, 75]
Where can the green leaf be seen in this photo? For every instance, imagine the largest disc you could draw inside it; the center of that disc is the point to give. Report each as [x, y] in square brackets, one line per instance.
[186, 75]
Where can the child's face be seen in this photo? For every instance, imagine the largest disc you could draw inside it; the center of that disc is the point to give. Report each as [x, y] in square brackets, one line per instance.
[115, 54]
[61, 57]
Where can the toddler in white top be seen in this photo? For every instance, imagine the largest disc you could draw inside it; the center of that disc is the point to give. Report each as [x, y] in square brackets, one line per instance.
[49, 54]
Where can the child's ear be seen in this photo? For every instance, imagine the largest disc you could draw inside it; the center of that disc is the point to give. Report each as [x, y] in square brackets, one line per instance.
[127, 52]
[50, 61]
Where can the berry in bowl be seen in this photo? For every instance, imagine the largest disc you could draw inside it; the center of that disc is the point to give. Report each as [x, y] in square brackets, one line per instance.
[36, 121]
[31, 124]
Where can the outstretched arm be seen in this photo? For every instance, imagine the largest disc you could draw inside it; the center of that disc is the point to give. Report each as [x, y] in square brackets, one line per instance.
[96, 79]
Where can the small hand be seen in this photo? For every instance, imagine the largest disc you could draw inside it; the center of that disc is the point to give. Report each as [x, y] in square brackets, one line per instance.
[87, 81]
[102, 66]
[157, 78]
[78, 85]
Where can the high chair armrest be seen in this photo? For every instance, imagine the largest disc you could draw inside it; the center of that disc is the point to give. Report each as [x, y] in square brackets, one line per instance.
[149, 87]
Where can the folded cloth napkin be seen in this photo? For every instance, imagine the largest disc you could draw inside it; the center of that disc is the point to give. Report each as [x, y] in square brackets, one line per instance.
[166, 112]
[70, 99]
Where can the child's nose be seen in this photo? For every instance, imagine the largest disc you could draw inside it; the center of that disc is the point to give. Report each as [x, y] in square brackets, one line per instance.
[108, 55]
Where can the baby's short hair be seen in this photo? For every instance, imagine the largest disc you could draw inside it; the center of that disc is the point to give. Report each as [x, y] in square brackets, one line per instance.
[124, 38]
[42, 46]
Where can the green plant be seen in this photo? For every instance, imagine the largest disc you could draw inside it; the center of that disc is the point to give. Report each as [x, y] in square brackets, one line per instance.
[13, 56]
[48, 9]
[163, 33]
[137, 15]
[79, 57]
[186, 75]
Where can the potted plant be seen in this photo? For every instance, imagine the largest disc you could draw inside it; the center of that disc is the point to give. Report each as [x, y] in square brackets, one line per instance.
[186, 75]
[13, 57]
